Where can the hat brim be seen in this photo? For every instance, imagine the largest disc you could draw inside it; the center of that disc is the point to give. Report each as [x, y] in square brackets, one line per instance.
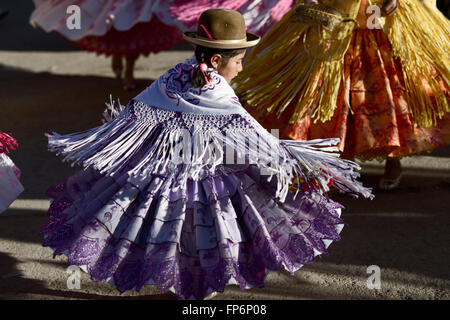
[194, 38]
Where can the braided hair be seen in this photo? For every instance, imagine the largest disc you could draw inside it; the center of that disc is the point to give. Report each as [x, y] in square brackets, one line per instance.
[204, 54]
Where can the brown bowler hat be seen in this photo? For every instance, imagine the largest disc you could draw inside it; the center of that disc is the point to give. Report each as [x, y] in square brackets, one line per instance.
[221, 29]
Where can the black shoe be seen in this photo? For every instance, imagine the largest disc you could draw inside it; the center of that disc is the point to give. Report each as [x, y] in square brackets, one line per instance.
[3, 13]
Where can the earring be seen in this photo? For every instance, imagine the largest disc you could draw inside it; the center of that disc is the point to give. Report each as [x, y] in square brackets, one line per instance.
[204, 69]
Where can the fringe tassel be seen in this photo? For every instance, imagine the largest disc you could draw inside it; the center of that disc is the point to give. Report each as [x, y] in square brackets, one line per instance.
[420, 47]
[321, 160]
[142, 147]
[111, 111]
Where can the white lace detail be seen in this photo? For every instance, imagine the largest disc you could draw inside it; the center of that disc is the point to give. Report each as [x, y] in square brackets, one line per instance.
[177, 120]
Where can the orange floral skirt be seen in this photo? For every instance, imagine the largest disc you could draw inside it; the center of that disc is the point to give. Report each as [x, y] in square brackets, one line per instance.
[379, 124]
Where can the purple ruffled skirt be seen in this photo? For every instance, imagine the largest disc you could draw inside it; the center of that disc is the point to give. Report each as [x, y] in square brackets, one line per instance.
[223, 229]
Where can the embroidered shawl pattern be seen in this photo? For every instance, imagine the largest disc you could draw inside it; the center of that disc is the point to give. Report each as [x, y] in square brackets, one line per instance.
[172, 127]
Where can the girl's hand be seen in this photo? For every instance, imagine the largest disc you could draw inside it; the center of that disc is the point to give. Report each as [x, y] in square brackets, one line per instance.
[389, 7]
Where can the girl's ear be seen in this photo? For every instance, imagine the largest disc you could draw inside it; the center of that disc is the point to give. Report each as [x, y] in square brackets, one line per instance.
[215, 60]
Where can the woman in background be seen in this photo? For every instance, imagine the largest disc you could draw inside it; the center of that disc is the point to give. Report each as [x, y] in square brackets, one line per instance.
[122, 29]
[379, 84]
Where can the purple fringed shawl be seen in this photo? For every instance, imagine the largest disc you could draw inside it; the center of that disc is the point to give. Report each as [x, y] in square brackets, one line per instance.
[190, 132]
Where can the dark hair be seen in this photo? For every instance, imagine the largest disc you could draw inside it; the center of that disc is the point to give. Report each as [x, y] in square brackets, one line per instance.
[204, 54]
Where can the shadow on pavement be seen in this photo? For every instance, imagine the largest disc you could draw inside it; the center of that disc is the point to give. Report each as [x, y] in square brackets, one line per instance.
[440, 152]
[13, 285]
[12, 277]
[36, 103]
[407, 231]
